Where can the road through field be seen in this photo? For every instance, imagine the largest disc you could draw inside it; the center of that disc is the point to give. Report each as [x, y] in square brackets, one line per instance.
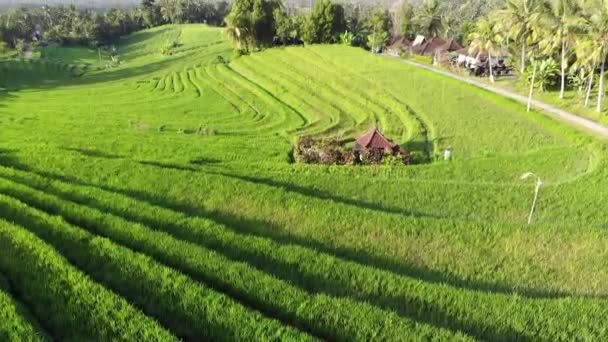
[586, 124]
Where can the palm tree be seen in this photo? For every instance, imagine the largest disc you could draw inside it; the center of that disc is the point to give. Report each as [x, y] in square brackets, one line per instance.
[429, 19]
[597, 42]
[564, 21]
[585, 59]
[485, 40]
[519, 20]
[535, 55]
[239, 30]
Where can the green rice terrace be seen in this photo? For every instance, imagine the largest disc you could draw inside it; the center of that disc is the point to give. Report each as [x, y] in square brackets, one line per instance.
[160, 200]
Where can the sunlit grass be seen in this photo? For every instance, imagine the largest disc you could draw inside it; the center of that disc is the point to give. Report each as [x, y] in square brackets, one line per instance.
[159, 159]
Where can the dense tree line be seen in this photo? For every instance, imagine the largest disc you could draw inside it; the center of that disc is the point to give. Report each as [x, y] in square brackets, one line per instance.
[356, 23]
[254, 24]
[447, 18]
[557, 42]
[73, 25]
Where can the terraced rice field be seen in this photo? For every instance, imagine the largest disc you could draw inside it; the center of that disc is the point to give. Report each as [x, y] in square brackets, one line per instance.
[159, 200]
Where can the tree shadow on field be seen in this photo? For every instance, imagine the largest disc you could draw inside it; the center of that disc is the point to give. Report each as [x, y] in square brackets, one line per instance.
[267, 229]
[407, 306]
[169, 166]
[93, 153]
[8, 158]
[121, 73]
[5, 95]
[141, 36]
[321, 195]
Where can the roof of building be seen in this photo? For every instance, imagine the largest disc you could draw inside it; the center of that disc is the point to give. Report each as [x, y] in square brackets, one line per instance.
[374, 139]
[399, 42]
[434, 45]
[450, 45]
[419, 40]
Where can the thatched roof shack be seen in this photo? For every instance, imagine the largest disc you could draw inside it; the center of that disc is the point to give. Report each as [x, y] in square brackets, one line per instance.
[374, 140]
[433, 46]
[397, 45]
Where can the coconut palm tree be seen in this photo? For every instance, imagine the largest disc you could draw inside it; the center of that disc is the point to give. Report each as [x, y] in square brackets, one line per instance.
[485, 40]
[597, 42]
[519, 19]
[586, 59]
[429, 19]
[239, 30]
[563, 19]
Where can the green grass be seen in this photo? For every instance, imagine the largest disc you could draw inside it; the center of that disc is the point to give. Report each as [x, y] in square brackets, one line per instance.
[15, 324]
[573, 100]
[167, 185]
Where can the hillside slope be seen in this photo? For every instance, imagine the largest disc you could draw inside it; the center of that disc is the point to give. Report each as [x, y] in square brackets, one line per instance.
[169, 181]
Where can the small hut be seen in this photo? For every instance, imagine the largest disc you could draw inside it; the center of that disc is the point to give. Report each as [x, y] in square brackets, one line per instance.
[374, 145]
[375, 140]
[435, 46]
[397, 45]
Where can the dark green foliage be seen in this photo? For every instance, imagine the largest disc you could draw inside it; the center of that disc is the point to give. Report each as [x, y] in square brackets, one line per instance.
[251, 23]
[378, 26]
[284, 23]
[326, 22]
[150, 13]
[71, 25]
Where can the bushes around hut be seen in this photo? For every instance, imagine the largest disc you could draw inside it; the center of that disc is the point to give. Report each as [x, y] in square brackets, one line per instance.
[326, 151]
[331, 151]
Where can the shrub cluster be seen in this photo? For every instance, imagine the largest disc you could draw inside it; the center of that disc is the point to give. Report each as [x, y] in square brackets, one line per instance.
[331, 151]
[327, 151]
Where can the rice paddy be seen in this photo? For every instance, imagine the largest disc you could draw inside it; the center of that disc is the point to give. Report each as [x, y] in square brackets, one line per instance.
[159, 200]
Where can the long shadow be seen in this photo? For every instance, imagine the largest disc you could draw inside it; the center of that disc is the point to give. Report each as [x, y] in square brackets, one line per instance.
[93, 153]
[204, 161]
[267, 229]
[169, 166]
[215, 282]
[141, 36]
[322, 195]
[24, 309]
[289, 187]
[410, 307]
[8, 157]
[5, 95]
[108, 76]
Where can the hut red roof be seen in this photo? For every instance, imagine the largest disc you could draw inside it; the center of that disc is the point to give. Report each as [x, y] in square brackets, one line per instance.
[450, 45]
[375, 140]
[430, 47]
[399, 42]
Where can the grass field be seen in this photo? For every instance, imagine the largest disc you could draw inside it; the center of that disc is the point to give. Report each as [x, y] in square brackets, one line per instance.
[159, 200]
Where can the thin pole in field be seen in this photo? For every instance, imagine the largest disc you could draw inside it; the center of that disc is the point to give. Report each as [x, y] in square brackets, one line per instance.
[539, 183]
